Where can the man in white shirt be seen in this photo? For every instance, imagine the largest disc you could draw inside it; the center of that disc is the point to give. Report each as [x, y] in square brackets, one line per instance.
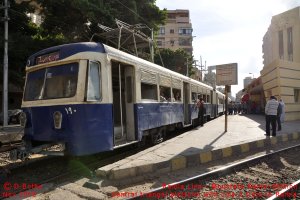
[271, 115]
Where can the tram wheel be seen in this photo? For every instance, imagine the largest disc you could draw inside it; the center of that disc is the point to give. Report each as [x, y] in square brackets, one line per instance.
[158, 136]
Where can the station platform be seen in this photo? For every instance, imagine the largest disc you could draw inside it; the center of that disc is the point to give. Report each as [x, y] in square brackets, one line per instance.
[245, 133]
[11, 133]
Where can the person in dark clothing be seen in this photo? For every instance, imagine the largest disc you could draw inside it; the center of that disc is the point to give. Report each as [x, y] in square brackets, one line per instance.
[201, 111]
[279, 112]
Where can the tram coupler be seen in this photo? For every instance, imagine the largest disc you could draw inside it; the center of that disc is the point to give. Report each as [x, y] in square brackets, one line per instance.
[20, 153]
[23, 153]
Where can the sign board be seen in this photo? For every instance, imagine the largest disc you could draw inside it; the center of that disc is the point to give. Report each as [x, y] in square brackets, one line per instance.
[47, 58]
[226, 74]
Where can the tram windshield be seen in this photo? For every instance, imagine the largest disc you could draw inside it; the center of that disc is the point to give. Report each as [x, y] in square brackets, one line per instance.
[52, 83]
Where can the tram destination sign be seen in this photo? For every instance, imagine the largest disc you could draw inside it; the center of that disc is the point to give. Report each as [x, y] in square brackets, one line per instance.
[227, 74]
[53, 56]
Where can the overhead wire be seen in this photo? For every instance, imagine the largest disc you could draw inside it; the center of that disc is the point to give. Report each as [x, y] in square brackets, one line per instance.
[147, 23]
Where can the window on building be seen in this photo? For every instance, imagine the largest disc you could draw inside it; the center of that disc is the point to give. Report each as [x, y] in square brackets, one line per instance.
[189, 50]
[161, 31]
[183, 15]
[159, 43]
[290, 43]
[171, 15]
[185, 42]
[171, 31]
[172, 42]
[297, 95]
[185, 31]
[280, 40]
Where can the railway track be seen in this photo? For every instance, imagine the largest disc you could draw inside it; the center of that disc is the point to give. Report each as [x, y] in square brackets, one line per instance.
[58, 169]
[275, 175]
[49, 169]
[4, 147]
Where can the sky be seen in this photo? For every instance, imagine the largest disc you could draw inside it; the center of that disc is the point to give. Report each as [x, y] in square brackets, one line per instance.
[230, 31]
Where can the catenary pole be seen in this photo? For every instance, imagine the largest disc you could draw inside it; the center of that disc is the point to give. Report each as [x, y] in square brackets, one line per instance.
[5, 66]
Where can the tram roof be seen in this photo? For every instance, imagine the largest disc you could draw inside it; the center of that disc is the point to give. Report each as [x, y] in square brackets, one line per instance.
[62, 51]
[133, 59]
[65, 50]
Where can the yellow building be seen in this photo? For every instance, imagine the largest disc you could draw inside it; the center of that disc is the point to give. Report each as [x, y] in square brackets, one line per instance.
[281, 72]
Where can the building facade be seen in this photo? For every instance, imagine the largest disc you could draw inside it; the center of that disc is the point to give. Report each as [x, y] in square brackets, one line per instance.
[177, 32]
[281, 52]
[247, 81]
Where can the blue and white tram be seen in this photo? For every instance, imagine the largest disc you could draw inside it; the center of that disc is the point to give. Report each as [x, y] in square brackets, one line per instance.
[93, 98]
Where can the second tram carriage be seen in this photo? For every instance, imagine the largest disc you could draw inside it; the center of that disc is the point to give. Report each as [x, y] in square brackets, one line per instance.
[93, 98]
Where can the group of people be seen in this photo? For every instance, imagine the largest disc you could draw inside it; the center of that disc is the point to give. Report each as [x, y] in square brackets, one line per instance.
[249, 107]
[274, 111]
[166, 98]
[237, 108]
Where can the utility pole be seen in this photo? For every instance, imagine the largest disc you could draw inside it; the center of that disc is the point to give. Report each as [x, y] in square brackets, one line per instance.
[5, 64]
[187, 67]
[152, 46]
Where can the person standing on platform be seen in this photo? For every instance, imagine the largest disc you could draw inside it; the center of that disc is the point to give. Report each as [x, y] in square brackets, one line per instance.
[271, 115]
[201, 111]
[230, 108]
[279, 113]
[282, 116]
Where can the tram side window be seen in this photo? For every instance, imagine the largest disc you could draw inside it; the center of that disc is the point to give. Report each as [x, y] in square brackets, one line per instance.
[176, 93]
[165, 93]
[94, 83]
[148, 91]
[221, 101]
[34, 85]
[194, 97]
[208, 98]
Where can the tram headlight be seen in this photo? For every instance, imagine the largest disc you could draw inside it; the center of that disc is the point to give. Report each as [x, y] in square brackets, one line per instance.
[57, 119]
[22, 119]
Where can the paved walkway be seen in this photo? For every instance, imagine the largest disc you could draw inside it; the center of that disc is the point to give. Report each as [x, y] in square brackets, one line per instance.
[201, 145]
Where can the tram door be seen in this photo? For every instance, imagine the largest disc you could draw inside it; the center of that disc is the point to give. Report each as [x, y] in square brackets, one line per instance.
[123, 93]
[186, 101]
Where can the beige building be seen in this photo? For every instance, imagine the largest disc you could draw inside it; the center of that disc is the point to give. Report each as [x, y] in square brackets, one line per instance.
[281, 72]
[177, 32]
[247, 81]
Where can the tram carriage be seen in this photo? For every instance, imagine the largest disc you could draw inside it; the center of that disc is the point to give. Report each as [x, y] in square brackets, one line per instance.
[93, 98]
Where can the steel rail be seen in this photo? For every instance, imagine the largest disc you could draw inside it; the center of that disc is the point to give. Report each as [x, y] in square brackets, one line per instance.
[4, 147]
[223, 170]
[284, 192]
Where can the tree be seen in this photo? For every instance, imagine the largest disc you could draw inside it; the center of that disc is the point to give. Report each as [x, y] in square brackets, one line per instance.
[210, 78]
[174, 60]
[20, 32]
[77, 20]
[66, 21]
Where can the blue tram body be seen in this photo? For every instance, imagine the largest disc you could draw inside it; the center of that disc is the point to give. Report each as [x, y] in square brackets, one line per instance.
[85, 129]
[92, 98]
